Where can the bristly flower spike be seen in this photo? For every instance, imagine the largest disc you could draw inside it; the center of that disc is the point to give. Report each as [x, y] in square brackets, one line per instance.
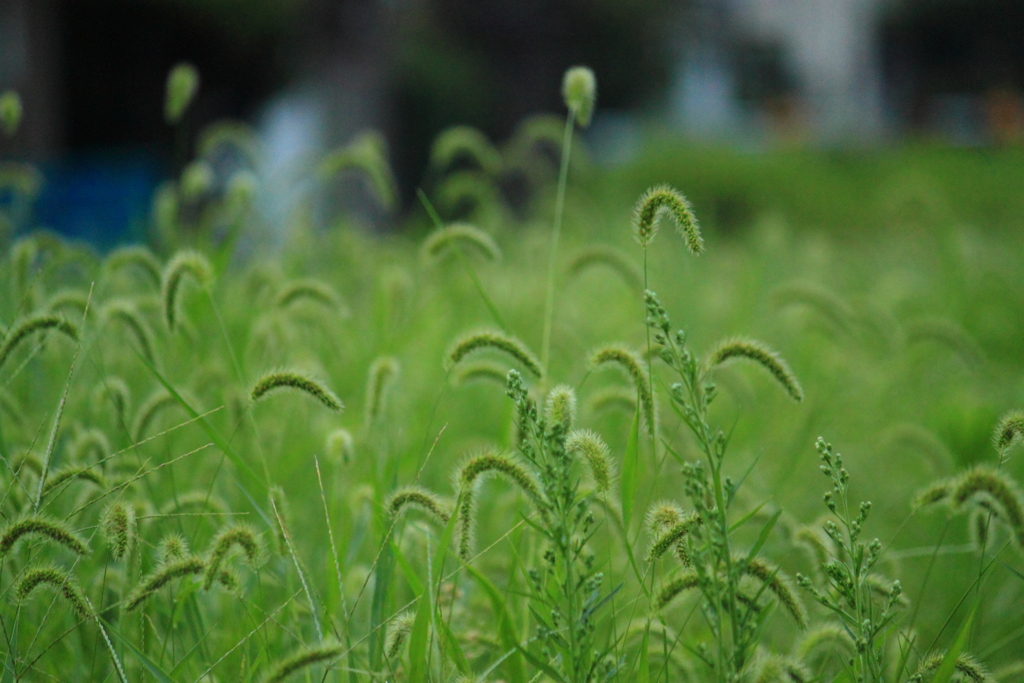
[665, 200]
[38, 525]
[339, 447]
[382, 376]
[120, 529]
[759, 353]
[629, 362]
[421, 499]
[595, 451]
[61, 581]
[579, 91]
[184, 263]
[560, 408]
[10, 112]
[301, 659]
[499, 341]
[1008, 431]
[29, 326]
[182, 85]
[240, 535]
[165, 574]
[289, 379]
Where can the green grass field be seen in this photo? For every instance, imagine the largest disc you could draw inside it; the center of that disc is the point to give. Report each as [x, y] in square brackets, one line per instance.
[184, 501]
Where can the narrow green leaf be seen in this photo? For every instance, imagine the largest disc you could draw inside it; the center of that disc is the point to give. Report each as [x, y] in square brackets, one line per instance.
[746, 518]
[644, 672]
[418, 641]
[948, 667]
[630, 462]
[540, 664]
[410, 574]
[454, 650]
[381, 592]
[506, 627]
[765, 532]
[150, 666]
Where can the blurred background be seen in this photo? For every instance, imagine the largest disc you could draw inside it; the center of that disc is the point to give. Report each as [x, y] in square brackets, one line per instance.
[753, 76]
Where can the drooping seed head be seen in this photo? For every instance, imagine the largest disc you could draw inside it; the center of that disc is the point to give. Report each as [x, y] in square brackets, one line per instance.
[75, 300]
[777, 583]
[662, 516]
[985, 485]
[91, 446]
[167, 572]
[115, 391]
[58, 579]
[938, 492]
[422, 499]
[1009, 430]
[560, 408]
[498, 341]
[158, 401]
[199, 499]
[611, 258]
[197, 179]
[308, 289]
[664, 200]
[182, 85]
[135, 255]
[579, 92]
[31, 325]
[184, 263]
[456, 235]
[367, 153]
[301, 659]
[465, 142]
[675, 587]
[672, 536]
[71, 473]
[10, 112]
[613, 398]
[479, 371]
[39, 525]
[380, 379]
[966, 664]
[629, 362]
[828, 637]
[595, 451]
[340, 447]
[757, 352]
[293, 380]
[773, 667]
[120, 529]
[125, 313]
[240, 536]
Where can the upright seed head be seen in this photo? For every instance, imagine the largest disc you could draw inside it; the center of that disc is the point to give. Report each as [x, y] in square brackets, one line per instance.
[120, 529]
[182, 85]
[662, 200]
[560, 408]
[171, 547]
[10, 112]
[382, 376]
[758, 353]
[197, 180]
[58, 579]
[340, 447]
[579, 91]
[184, 263]
[398, 632]
[290, 379]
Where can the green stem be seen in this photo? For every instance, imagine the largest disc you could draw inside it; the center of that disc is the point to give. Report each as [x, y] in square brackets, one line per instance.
[563, 177]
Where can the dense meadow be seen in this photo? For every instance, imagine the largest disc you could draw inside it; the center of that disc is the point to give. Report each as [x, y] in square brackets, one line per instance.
[552, 422]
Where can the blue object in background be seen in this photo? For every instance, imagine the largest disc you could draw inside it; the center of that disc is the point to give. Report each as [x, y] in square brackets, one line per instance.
[103, 199]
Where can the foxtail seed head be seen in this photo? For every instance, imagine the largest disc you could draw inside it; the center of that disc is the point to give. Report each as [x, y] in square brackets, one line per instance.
[611, 258]
[127, 314]
[308, 289]
[772, 668]
[290, 379]
[629, 362]
[59, 580]
[381, 378]
[985, 484]
[672, 536]
[478, 371]
[661, 200]
[38, 323]
[368, 154]
[301, 659]
[758, 353]
[116, 391]
[470, 473]
[777, 583]
[70, 473]
[158, 401]
[444, 240]
[560, 408]
[91, 446]
[10, 112]
[1009, 430]
[182, 85]
[242, 536]
[936, 493]
[184, 263]
[38, 525]
[420, 498]
[830, 637]
[579, 91]
[595, 451]
[675, 587]
[398, 632]
[197, 180]
[135, 255]
[74, 299]
[340, 447]
[166, 573]
[966, 664]
[466, 142]
[171, 548]
[120, 529]
[499, 341]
